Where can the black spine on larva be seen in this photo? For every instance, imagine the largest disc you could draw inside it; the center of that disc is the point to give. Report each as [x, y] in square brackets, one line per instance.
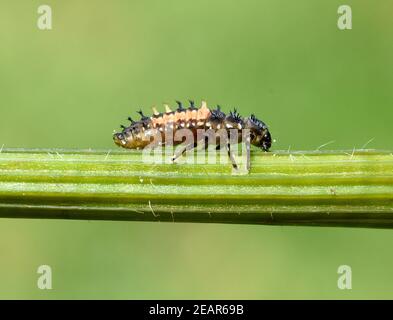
[234, 117]
[258, 122]
[179, 106]
[192, 105]
[217, 115]
[144, 120]
[135, 126]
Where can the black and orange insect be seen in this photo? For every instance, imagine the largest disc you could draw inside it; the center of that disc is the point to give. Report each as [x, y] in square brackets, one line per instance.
[140, 133]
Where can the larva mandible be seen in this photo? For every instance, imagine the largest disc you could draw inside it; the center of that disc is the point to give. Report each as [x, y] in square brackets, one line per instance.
[140, 133]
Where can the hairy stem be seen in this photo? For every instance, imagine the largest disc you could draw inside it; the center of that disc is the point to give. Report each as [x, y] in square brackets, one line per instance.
[282, 188]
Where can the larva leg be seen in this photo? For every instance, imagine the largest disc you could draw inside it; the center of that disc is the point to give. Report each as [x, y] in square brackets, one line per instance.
[183, 150]
[231, 157]
[248, 146]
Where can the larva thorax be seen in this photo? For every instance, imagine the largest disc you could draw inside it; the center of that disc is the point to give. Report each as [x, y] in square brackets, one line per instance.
[141, 133]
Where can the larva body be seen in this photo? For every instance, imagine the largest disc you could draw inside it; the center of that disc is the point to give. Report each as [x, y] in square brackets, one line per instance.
[194, 120]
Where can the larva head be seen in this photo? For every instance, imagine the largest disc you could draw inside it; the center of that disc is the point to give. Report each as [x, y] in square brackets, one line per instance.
[120, 139]
[124, 138]
[259, 133]
[131, 137]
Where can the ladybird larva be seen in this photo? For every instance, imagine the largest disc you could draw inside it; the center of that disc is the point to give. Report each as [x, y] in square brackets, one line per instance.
[140, 133]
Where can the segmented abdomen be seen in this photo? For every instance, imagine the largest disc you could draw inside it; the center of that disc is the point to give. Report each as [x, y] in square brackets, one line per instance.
[141, 133]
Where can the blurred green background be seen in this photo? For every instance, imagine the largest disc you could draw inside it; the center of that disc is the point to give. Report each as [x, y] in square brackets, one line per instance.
[286, 61]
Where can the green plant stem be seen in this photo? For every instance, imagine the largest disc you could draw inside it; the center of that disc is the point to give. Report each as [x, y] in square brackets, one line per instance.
[296, 188]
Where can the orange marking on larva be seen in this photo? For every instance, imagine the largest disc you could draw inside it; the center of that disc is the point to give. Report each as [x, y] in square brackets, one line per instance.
[203, 114]
[169, 118]
[194, 114]
[158, 121]
[180, 116]
[188, 115]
